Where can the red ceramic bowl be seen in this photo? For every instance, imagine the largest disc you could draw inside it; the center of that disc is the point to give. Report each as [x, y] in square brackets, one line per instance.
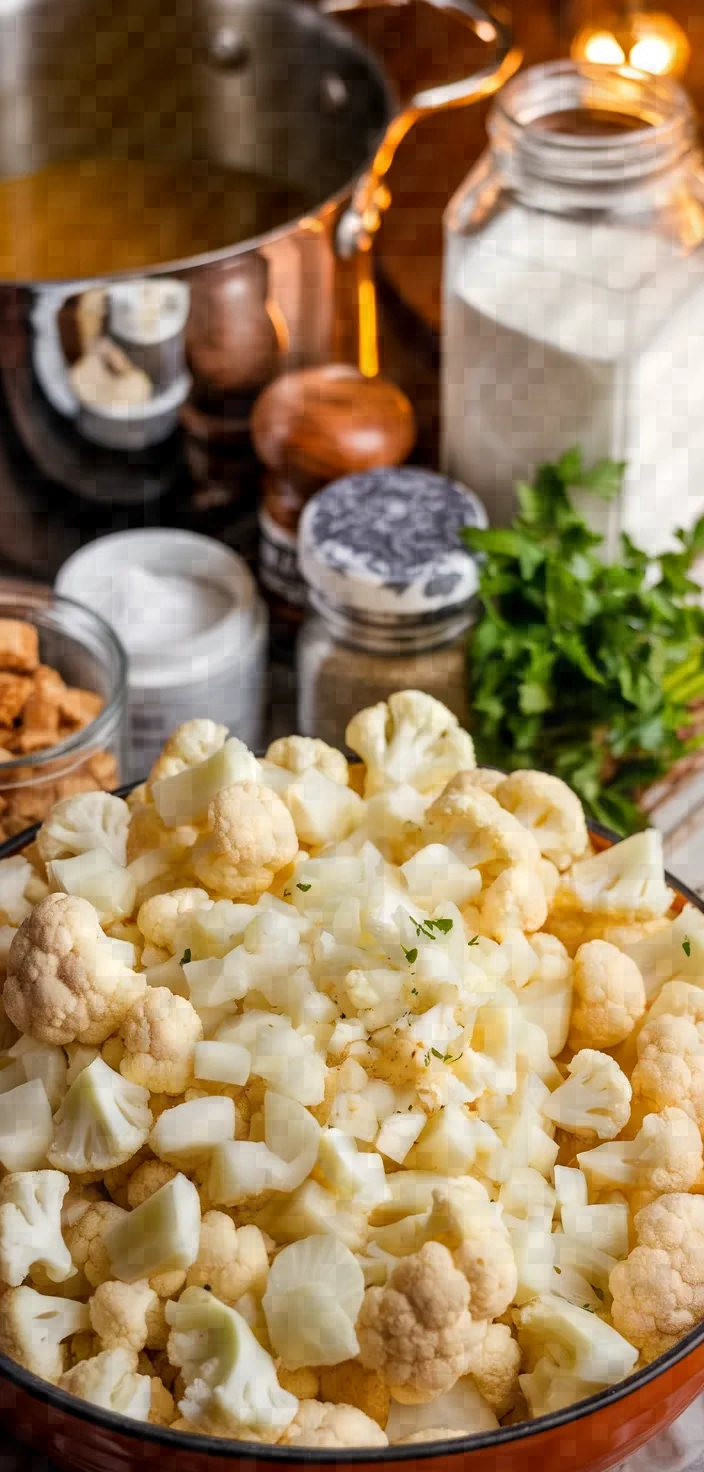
[591, 1436]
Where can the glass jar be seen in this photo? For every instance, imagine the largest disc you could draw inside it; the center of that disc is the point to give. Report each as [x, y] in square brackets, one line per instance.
[574, 296]
[390, 591]
[85, 652]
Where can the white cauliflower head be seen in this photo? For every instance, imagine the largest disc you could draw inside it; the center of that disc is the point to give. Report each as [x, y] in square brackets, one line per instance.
[515, 901]
[410, 738]
[252, 837]
[658, 1292]
[33, 1327]
[589, 1349]
[670, 1067]
[626, 880]
[475, 826]
[103, 1121]
[86, 1231]
[183, 799]
[110, 1380]
[666, 1155]
[30, 1226]
[594, 1099]
[495, 1366]
[189, 745]
[469, 1226]
[297, 754]
[550, 810]
[320, 1424]
[609, 996]
[161, 916]
[313, 1296]
[82, 823]
[65, 981]
[231, 1260]
[128, 1314]
[417, 1331]
[160, 1033]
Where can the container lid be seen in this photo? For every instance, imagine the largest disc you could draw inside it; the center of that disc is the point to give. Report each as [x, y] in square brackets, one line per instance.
[385, 543]
[185, 605]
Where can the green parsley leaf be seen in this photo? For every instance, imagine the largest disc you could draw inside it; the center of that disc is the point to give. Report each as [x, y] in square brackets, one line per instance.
[411, 955]
[287, 894]
[304, 887]
[186, 957]
[444, 926]
[474, 941]
[687, 946]
[445, 1057]
[414, 991]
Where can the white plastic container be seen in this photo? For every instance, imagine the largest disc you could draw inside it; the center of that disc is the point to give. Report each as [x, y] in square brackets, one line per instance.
[195, 629]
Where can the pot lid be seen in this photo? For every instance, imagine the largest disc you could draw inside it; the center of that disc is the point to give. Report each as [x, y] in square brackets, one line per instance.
[386, 543]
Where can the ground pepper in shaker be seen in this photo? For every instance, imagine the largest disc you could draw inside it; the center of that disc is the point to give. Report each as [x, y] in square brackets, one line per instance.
[390, 591]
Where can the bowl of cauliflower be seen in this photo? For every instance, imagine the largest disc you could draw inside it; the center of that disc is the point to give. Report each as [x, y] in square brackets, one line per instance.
[348, 1112]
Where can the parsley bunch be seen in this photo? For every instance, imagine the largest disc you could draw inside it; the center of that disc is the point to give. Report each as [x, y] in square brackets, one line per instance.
[580, 667]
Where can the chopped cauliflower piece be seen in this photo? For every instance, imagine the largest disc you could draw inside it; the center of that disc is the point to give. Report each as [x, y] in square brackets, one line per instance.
[232, 1261]
[186, 1133]
[30, 1226]
[251, 837]
[110, 1380]
[515, 901]
[666, 1155]
[103, 1121]
[594, 1099]
[223, 1063]
[65, 983]
[84, 822]
[312, 1210]
[658, 1292]
[33, 1326]
[185, 796]
[351, 1174]
[417, 1331]
[96, 877]
[549, 809]
[320, 1424]
[160, 1033]
[43, 1061]
[323, 811]
[190, 744]
[161, 1236]
[436, 876]
[242, 1169]
[593, 1352]
[609, 996]
[312, 1300]
[411, 738]
[279, 1055]
[231, 1384]
[26, 1126]
[461, 1411]
[627, 879]
[297, 754]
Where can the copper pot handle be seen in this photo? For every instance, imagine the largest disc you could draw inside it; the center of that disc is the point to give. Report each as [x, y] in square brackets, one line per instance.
[360, 221]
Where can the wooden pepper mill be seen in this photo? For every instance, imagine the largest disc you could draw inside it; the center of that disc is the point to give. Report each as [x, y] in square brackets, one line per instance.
[310, 428]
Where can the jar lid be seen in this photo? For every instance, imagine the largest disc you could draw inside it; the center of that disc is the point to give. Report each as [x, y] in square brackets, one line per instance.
[386, 543]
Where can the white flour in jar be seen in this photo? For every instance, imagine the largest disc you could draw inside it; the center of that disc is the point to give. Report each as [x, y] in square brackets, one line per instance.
[559, 332]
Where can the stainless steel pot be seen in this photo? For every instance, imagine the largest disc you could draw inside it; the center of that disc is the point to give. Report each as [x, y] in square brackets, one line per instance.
[273, 86]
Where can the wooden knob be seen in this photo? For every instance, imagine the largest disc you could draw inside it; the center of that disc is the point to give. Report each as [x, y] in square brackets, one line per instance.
[325, 422]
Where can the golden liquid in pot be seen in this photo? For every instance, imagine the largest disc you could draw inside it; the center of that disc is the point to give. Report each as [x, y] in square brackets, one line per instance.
[91, 217]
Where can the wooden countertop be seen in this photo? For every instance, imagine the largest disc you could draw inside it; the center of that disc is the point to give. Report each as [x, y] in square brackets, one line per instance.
[419, 45]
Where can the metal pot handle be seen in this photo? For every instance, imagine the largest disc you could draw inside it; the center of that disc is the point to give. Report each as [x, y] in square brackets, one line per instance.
[360, 222]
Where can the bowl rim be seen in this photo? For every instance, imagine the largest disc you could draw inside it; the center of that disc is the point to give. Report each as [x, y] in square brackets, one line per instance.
[256, 1452]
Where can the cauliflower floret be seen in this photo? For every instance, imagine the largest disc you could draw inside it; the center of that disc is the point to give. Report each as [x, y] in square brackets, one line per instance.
[480, 1246]
[231, 1384]
[666, 1155]
[160, 916]
[159, 1237]
[162, 1407]
[160, 1033]
[148, 1178]
[627, 879]
[495, 1367]
[515, 901]
[351, 1385]
[609, 996]
[82, 823]
[460, 1412]
[30, 1226]
[110, 1380]
[231, 1260]
[103, 1121]
[85, 1236]
[298, 753]
[189, 745]
[65, 982]
[411, 738]
[312, 1300]
[318, 1423]
[658, 1292]
[125, 1313]
[475, 826]
[550, 810]
[33, 1326]
[588, 1348]
[251, 838]
[185, 797]
[417, 1331]
[670, 1067]
[594, 1099]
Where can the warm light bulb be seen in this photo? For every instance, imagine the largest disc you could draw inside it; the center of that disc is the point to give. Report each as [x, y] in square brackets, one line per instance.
[647, 40]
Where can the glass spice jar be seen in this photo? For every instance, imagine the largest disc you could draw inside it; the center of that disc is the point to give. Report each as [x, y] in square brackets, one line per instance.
[390, 591]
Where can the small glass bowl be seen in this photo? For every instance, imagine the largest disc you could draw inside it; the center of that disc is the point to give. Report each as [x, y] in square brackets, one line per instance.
[88, 655]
